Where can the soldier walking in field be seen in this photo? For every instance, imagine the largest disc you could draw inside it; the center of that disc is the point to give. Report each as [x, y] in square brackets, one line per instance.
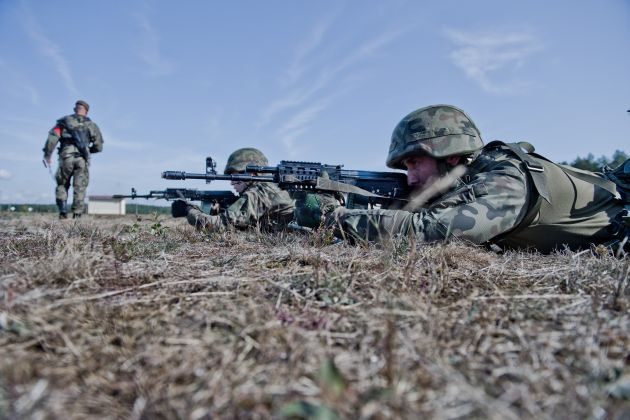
[501, 193]
[261, 204]
[78, 138]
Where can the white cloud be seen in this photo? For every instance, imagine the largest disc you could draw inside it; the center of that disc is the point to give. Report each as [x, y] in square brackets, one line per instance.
[292, 99]
[14, 84]
[297, 125]
[150, 50]
[52, 51]
[297, 67]
[299, 94]
[486, 57]
[20, 157]
[27, 196]
[126, 145]
[18, 140]
[4, 174]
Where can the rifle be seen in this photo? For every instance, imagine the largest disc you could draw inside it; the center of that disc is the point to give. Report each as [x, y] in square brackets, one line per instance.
[212, 199]
[80, 138]
[364, 188]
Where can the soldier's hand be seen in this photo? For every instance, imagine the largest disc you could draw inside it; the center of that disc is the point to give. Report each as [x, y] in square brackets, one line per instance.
[333, 220]
[215, 209]
[179, 208]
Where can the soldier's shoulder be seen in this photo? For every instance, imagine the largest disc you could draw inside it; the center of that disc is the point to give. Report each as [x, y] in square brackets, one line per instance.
[499, 161]
[91, 123]
[65, 119]
[498, 155]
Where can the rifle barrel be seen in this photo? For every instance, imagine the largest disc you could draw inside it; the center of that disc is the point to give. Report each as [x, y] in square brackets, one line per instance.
[179, 175]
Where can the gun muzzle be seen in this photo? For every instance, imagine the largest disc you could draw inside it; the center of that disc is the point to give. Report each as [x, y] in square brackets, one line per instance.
[174, 175]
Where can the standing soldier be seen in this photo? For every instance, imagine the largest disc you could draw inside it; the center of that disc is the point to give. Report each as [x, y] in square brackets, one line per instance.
[78, 137]
[504, 193]
[261, 204]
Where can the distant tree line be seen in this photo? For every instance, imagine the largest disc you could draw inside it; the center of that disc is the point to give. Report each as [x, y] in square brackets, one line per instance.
[590, 163]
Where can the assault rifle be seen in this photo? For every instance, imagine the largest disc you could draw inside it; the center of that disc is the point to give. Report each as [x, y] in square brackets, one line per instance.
[363, 188]
[80, 138]
[212, 199]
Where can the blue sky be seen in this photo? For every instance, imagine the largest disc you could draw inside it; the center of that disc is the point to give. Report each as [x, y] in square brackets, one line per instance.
[171, 83]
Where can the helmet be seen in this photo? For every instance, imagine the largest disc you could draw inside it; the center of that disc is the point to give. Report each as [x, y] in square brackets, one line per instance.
[438, 131]
[239, 159]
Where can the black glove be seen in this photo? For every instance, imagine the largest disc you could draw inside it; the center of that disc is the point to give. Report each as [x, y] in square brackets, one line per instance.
[179, 208]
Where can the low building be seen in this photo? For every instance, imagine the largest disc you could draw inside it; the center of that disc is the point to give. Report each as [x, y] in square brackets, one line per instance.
[106, 204]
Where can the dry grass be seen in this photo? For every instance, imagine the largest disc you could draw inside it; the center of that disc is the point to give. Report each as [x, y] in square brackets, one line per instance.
[113, 318]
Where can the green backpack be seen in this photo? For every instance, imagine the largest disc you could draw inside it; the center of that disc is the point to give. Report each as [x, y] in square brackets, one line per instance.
[616, 182]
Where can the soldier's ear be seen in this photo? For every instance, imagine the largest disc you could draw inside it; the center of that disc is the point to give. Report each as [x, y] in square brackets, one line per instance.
[453, 160]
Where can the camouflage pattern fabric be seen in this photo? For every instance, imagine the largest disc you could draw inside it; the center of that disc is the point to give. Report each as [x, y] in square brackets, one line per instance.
[239, 159]
[438, 131]
[75, 169]
[489, 203]
[262, 205]
[66, 148]
[72, 167]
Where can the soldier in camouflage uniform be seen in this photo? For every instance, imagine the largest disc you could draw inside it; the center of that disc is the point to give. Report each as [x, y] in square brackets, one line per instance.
[261, 204]
[78, 137]
[504, 194]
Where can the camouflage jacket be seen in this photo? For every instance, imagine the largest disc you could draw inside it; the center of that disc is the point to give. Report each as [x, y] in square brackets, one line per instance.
[262, 205]
[497, 202]
[60, 134]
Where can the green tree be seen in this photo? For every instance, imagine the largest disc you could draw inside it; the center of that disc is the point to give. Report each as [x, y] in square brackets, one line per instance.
[590, 163]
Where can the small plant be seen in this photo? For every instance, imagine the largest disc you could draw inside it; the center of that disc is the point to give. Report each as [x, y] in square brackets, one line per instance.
[132, 229]
[322, 236]
[158, 229]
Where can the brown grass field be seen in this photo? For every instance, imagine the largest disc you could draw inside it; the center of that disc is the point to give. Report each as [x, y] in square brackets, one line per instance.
[143, 319]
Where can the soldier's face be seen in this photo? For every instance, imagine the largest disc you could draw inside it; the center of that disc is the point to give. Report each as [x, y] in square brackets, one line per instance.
[239, 186]
[80, 110]
[422, 171]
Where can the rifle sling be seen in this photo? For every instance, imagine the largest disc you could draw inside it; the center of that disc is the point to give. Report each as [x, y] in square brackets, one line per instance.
[326, 184]
[586, 176]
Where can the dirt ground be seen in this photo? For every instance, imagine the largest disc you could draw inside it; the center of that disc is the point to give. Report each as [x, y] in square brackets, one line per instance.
[127, 318]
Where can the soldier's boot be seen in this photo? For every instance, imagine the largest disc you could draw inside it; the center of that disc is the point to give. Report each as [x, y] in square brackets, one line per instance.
[76, 215]
[63, 209]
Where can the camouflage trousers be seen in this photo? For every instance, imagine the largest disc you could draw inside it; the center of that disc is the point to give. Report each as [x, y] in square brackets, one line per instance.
[75, 169]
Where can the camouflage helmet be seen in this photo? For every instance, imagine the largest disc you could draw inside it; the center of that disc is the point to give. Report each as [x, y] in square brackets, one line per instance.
[438, 131]
[239, 159]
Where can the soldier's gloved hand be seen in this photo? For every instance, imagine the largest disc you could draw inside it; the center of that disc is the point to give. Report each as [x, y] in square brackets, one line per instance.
[180, 208]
